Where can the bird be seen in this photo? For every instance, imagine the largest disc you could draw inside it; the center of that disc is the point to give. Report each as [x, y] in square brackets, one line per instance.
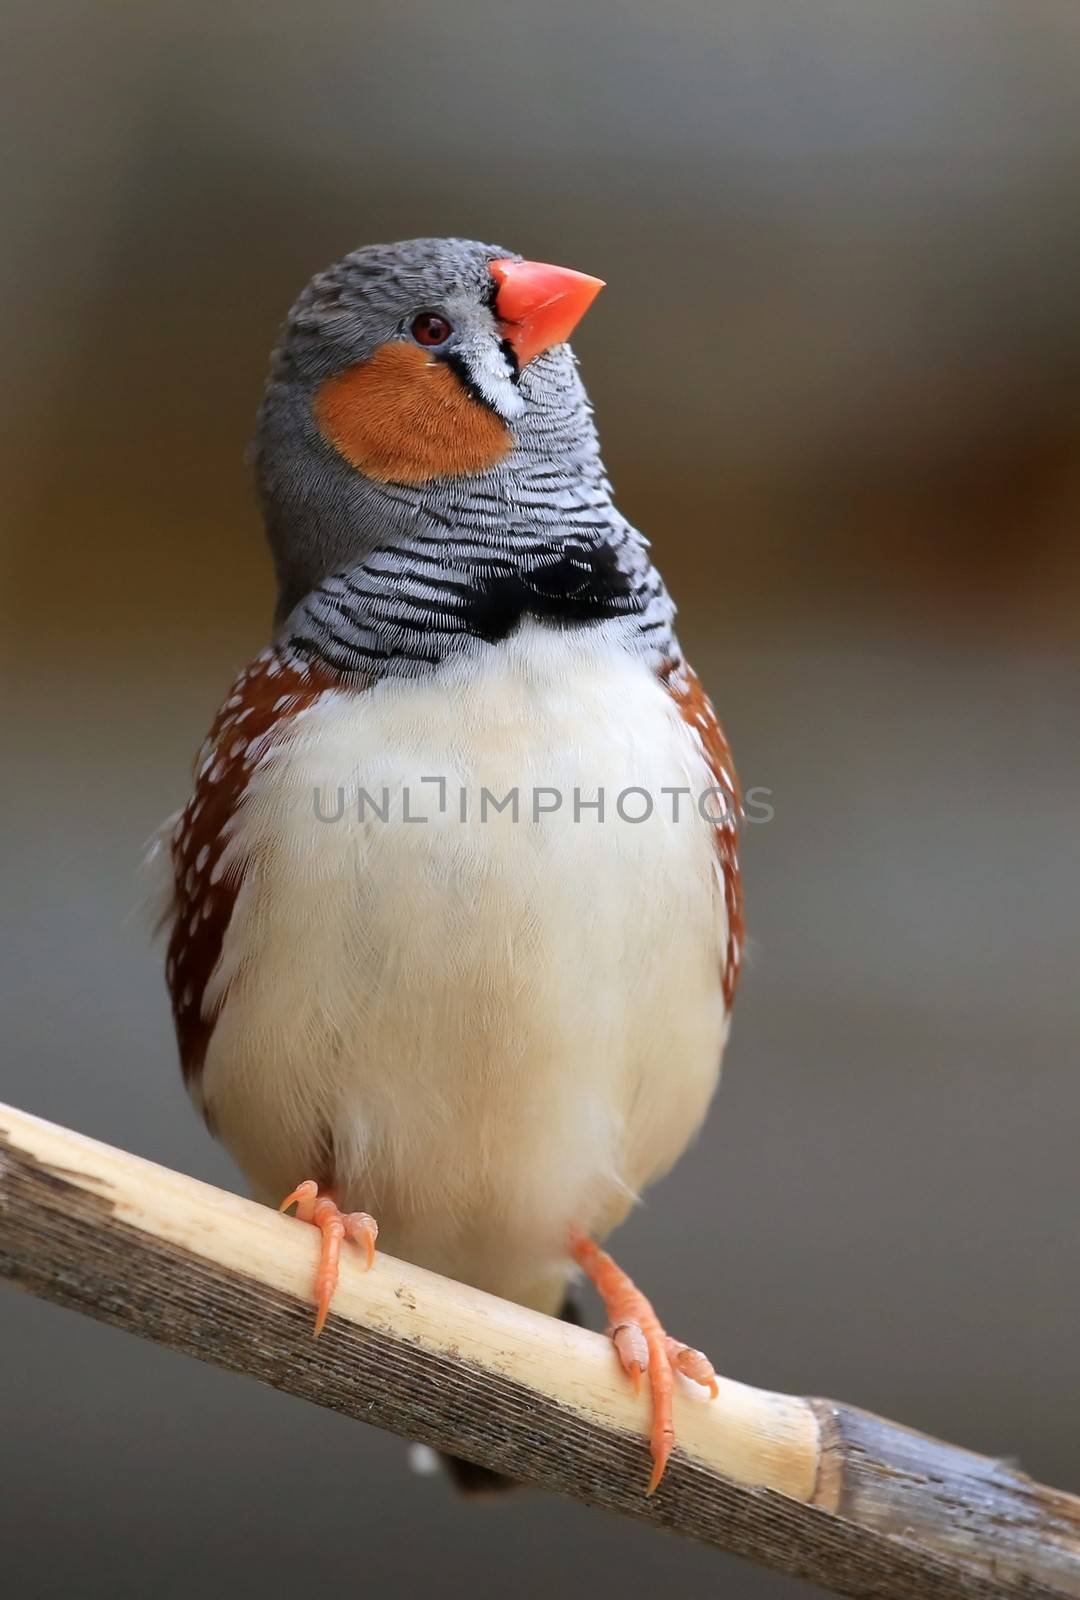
[456, 915]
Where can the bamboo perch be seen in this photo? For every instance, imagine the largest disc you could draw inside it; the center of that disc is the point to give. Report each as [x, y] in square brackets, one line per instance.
[823, 1491]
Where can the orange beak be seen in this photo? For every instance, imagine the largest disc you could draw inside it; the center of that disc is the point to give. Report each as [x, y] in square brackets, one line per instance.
[540, 305]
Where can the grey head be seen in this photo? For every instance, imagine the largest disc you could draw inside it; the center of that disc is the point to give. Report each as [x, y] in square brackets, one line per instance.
[427, 462]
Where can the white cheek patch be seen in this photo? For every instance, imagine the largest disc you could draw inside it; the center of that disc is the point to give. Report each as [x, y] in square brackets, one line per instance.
[490, 374]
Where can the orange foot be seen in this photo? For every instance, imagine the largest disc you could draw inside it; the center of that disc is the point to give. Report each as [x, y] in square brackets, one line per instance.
[642, 1346]
[334, 1225]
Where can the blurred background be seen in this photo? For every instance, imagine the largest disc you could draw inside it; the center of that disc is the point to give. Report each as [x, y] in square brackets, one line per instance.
[837, 377]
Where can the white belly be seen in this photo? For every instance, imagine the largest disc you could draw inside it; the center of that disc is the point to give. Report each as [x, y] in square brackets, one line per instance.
[489, 1028]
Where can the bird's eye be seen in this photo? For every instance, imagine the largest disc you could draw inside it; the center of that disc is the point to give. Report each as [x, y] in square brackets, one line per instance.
[430, 329]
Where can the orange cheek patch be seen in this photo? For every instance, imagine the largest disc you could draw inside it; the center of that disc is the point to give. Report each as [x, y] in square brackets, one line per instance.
[402, 418]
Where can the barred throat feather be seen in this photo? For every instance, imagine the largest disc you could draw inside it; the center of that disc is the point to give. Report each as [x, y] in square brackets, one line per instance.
[411, 605]
[428, 569]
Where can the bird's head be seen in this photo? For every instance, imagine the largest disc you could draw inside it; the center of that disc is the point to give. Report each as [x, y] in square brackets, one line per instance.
[418, 382]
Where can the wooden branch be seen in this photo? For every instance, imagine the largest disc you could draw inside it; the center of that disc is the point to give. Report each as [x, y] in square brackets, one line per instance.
[856, 1504]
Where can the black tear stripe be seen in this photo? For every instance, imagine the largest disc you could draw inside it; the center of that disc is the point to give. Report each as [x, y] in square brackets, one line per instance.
[509, 355]
[460, 368]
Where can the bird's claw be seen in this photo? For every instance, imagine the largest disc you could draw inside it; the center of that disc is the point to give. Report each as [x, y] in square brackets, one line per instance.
[693, 1364]
[632, 1349]
[334, 1226]
[643, 1347]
